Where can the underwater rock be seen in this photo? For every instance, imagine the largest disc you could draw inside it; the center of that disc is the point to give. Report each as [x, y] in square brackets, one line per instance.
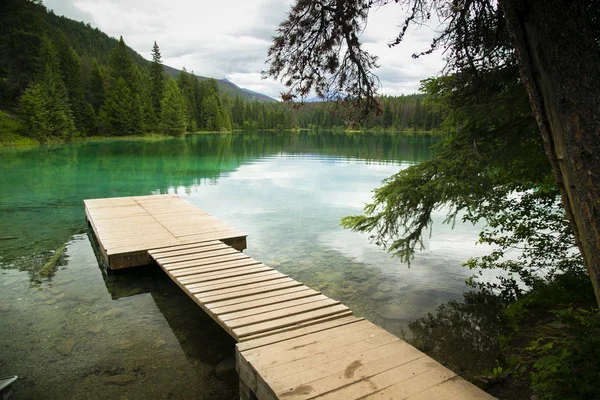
[385, 287]
[114, 313]
[121, 380]
[393, 312]
[64, 347]
[56, 290]
[125, 344]
[94, 329]
[380, 296]
[357, 276]
[51, 301]
[225, 370]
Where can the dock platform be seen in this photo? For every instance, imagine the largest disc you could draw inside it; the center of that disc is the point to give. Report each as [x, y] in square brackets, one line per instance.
[126, 227]
[293, 341]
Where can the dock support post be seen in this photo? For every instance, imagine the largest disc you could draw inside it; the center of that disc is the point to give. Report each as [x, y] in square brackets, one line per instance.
[245, 392]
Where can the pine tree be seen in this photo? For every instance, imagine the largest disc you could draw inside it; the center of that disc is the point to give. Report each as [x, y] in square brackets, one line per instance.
[184, 81]
[70, 70]
[172, 115]
[387, 117]
[97, 93]
[116, 114]
[157, 78]
[45, 109]
[121, 67]
[150, 118]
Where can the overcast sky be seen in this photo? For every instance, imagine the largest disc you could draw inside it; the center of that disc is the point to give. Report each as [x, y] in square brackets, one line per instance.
[229, 39]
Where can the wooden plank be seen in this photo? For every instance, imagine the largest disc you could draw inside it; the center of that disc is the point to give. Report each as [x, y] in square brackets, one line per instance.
[302, 347]
[147, 230]
[183, 247]
[282, 322]
[108, 202]
[243, 271]
[174, 267]
[301, 324]
[233, 293]
[204, 254]
[262, 300]
[154, 197]
[452, 389]
[134, 240]
[408, 379]
[128, 248]
[281, 305]
[222, 235]
[214, 245]
[281, 313]
[224, 266]
[214, 233]
[340, 360]
[236, 278]
[206, 227]
[263, 277]
[276, 337]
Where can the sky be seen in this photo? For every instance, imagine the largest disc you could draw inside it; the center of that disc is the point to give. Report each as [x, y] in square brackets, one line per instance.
[230, 39]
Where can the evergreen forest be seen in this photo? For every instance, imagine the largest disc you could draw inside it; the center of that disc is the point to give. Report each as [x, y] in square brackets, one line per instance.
[61, 79]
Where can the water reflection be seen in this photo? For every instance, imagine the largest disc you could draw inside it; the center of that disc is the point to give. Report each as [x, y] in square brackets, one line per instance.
[68, 338]
[42, 188]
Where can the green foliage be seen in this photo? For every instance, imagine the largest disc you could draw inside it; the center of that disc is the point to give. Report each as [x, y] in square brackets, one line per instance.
[568, 363]
[531, 224]
[490, 167]
[553, 338]
[117, 113]
[157, 78]
[173, 107]
[11, 131]
[22, 29]
[45, 110]
[89, 64]
[120, 66]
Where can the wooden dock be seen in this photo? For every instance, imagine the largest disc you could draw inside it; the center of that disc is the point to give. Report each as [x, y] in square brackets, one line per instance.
[127, 227]
[293, 342]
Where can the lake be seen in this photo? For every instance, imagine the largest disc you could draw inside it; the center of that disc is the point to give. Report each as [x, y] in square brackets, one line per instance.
[85, 334]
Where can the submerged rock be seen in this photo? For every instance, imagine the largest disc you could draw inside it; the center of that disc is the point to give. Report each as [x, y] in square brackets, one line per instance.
[125, 344]
[56, 290]
[94, 329]
[393, 312]
[64, 347]
[225, 370]
[385, 287]
[121, 380]
[380, 296]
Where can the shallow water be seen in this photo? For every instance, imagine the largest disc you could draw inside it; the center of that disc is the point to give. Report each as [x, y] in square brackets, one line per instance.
[82, 334]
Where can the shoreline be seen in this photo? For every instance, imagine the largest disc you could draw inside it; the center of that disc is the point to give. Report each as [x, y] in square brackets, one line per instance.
[19, 141]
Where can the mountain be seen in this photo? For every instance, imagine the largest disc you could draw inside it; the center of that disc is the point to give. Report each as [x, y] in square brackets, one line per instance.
[91, 42]
[226, 86]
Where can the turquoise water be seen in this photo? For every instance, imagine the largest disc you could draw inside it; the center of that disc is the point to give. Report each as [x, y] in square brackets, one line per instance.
[83, 334]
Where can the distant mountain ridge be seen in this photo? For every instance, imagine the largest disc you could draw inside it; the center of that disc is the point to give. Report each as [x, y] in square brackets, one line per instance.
[92, 42]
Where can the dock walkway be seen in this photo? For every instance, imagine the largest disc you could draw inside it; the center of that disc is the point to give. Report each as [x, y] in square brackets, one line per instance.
[293, 342]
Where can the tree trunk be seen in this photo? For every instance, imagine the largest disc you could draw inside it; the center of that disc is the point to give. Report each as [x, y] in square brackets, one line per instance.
[560, 67]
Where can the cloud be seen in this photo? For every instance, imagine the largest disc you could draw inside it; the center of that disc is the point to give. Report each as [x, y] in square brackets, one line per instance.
[231, 39]
[70, 10]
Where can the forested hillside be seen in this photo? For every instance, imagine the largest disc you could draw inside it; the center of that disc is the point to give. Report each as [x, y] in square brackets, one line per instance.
[61, 79]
